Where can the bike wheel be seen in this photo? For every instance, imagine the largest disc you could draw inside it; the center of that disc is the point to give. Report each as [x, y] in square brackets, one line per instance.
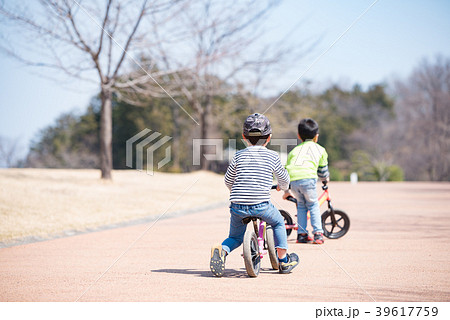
[270, 243]
[287, 221]
[341, 227]
[252, 258]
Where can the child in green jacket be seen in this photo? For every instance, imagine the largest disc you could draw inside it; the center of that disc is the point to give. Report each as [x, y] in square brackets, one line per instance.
[307, 162]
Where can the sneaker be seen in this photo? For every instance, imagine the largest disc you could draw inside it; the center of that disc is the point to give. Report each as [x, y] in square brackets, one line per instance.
[318, 238]
[286, 267]
[217, 263]
[304, 238]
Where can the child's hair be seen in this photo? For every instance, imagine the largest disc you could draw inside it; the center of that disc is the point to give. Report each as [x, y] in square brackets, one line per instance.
[257, 140]
[307, 129]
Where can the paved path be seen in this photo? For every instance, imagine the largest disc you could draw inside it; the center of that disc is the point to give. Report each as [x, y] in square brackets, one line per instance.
[398, 249]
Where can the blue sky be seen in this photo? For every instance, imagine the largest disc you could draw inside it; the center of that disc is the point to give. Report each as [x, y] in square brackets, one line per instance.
[388, 42]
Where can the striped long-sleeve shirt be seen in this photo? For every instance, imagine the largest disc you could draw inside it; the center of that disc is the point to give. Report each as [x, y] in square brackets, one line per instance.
[250, 175]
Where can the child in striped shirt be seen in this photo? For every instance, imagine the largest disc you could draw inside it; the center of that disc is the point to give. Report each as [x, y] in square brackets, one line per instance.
[249, 178]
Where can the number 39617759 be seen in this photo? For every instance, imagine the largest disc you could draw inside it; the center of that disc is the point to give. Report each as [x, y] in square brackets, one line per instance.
[407, 311]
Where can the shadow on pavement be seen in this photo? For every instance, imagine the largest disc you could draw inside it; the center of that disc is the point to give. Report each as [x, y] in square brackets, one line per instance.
[229, 273]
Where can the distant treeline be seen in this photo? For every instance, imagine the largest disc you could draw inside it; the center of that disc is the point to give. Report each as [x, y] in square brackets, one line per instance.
[385, 133]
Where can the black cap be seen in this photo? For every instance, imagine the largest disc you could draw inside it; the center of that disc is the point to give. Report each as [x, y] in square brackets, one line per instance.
[257, 125]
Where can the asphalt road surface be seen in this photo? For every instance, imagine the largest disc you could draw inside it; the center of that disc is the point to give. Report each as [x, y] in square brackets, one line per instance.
[397, 249]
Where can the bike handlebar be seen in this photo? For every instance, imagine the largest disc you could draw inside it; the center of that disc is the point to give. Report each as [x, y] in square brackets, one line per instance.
[323, 181]
[292, 199]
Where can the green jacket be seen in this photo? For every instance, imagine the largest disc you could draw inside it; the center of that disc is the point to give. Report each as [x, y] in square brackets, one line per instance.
[308, 160]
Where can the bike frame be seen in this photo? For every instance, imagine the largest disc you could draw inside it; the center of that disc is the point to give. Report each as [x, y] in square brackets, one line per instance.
[322, 199]
[325, 196]
[260, 231]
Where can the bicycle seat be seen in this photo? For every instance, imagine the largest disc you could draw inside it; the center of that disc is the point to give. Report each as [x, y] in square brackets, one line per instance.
[248, 219]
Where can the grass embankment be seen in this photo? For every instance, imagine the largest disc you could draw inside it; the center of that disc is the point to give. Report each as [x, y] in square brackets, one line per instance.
[42, 202]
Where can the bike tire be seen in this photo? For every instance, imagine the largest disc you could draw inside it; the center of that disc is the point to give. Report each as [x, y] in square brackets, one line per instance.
[270, 243]
[252, 258]
[287, 221]
[342, 227]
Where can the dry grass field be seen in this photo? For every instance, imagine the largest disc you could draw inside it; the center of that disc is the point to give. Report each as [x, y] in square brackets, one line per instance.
[43, 202]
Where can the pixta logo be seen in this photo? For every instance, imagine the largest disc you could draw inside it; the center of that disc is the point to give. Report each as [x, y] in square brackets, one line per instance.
[149, 144]
[218, 154]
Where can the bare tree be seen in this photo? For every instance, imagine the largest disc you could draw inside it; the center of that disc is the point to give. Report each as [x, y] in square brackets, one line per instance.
[423, 110]
[82, 39]
[8, 152]
[213, 48]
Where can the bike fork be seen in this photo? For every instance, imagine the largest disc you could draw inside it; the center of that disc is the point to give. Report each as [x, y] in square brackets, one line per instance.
[333, 217]
[261, 231]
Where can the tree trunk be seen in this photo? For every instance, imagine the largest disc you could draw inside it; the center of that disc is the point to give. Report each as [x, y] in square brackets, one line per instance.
[204, 127]
[176, 159]
[106, 133]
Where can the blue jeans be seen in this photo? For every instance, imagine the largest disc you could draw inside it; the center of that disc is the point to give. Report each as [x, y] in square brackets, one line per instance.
[306, 194]
[265, 211]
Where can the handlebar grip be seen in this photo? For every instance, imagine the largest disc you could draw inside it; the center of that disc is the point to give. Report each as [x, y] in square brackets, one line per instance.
[292, 199]
[275, 186]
